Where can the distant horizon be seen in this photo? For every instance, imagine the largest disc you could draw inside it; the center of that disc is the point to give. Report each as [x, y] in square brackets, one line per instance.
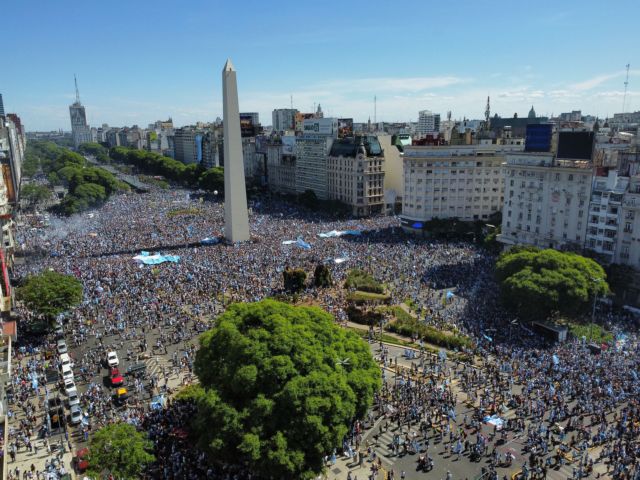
[152, 63]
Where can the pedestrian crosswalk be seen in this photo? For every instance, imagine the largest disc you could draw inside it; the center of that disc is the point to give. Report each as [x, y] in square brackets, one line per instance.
[384, 446]
[155, 365]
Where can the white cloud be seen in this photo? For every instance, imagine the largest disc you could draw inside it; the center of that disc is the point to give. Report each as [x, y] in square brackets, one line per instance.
[392, 84]
[600, 79]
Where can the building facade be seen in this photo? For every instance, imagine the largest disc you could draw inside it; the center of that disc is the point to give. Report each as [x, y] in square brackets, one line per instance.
[281, 165]
[464, 182]
[546, 201]
[312, 151]
[355, 174]
[428, 122]
[605, 215]
[283, 119]
[80, 131]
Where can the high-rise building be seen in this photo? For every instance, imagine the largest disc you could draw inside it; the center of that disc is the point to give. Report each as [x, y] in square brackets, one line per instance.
[312, 150]
[80, 131]
[428, 122]
[1, 106]
[283, 119]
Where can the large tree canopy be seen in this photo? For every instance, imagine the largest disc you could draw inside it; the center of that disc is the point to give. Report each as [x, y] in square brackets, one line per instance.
[120, 450]
[50, 293]
[281, 384]
[540, 283]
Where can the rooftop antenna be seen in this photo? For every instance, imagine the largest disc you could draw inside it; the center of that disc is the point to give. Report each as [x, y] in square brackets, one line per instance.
[78, 92]
[487, 114]
[626, 84]
[375, 109]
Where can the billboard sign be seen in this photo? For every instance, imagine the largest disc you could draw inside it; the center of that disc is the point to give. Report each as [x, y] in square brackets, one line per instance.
[247, 128]
[320, 126]
[288, 145]
[345, 127]
[575, 145]
[538, 137]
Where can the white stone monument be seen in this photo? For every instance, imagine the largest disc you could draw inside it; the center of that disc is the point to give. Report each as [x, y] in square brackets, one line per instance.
[236, 216]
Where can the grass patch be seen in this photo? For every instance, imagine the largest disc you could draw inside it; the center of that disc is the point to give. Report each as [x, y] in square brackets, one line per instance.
[411, 304]
[413, 328]
[385, 337]
[363, 281]
[184, 212]
[590, 330]
[359, 297]
[400, 313]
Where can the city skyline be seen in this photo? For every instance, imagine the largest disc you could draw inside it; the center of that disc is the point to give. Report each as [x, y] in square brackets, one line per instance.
[556, 58]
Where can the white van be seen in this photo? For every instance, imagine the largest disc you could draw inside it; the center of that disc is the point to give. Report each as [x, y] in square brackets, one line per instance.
[67, 373]
[65, 360]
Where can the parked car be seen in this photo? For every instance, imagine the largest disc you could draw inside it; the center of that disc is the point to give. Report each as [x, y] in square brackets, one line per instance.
[62, 346]
[59, 331]
[65, 359]
[67, 373]
[74, 398]
[80, 462]
[112, 359]
[69, 385]
[76, 414]
[116, 377]
[137, 369]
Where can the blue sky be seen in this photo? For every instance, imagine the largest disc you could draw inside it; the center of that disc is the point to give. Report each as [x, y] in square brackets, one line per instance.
[140, 61]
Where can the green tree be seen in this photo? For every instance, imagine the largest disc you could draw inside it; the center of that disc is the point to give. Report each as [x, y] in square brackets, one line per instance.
[543, 283]
[31, 163]
[212, 180]
[120, 450]
[322, 276]
[280, 386]
[90, 193]
[294, 279]
[35, 194]
[50, 293]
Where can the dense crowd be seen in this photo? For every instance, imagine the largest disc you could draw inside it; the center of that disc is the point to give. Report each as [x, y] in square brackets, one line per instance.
[125, 301]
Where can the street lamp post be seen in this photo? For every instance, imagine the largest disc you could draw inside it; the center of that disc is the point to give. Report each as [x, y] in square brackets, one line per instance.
[593, 311]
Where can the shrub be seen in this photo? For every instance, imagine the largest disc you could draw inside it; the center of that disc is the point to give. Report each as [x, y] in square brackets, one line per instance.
[363, 281]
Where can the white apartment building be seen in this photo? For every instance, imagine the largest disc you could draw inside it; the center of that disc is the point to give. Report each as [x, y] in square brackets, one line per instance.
[627, 249]
[546, 201]
[461, 181]
[428, 122]
[605, 215]
[355, 174]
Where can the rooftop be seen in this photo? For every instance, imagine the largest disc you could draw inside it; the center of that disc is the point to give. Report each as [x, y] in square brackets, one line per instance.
[348, 147]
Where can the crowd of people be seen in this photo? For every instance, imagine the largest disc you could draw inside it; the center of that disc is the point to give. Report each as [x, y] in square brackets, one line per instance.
[141, 309]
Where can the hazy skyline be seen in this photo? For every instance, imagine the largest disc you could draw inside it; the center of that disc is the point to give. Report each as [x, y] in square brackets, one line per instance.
[140, 62]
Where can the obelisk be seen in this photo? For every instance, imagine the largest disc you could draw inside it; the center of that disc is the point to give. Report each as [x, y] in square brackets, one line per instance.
[236, 216]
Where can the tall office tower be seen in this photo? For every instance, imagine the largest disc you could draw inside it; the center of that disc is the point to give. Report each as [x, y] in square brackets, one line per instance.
[1, 106]
[80, 131]
[428, 122]
[236, 215]
[283, 119]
